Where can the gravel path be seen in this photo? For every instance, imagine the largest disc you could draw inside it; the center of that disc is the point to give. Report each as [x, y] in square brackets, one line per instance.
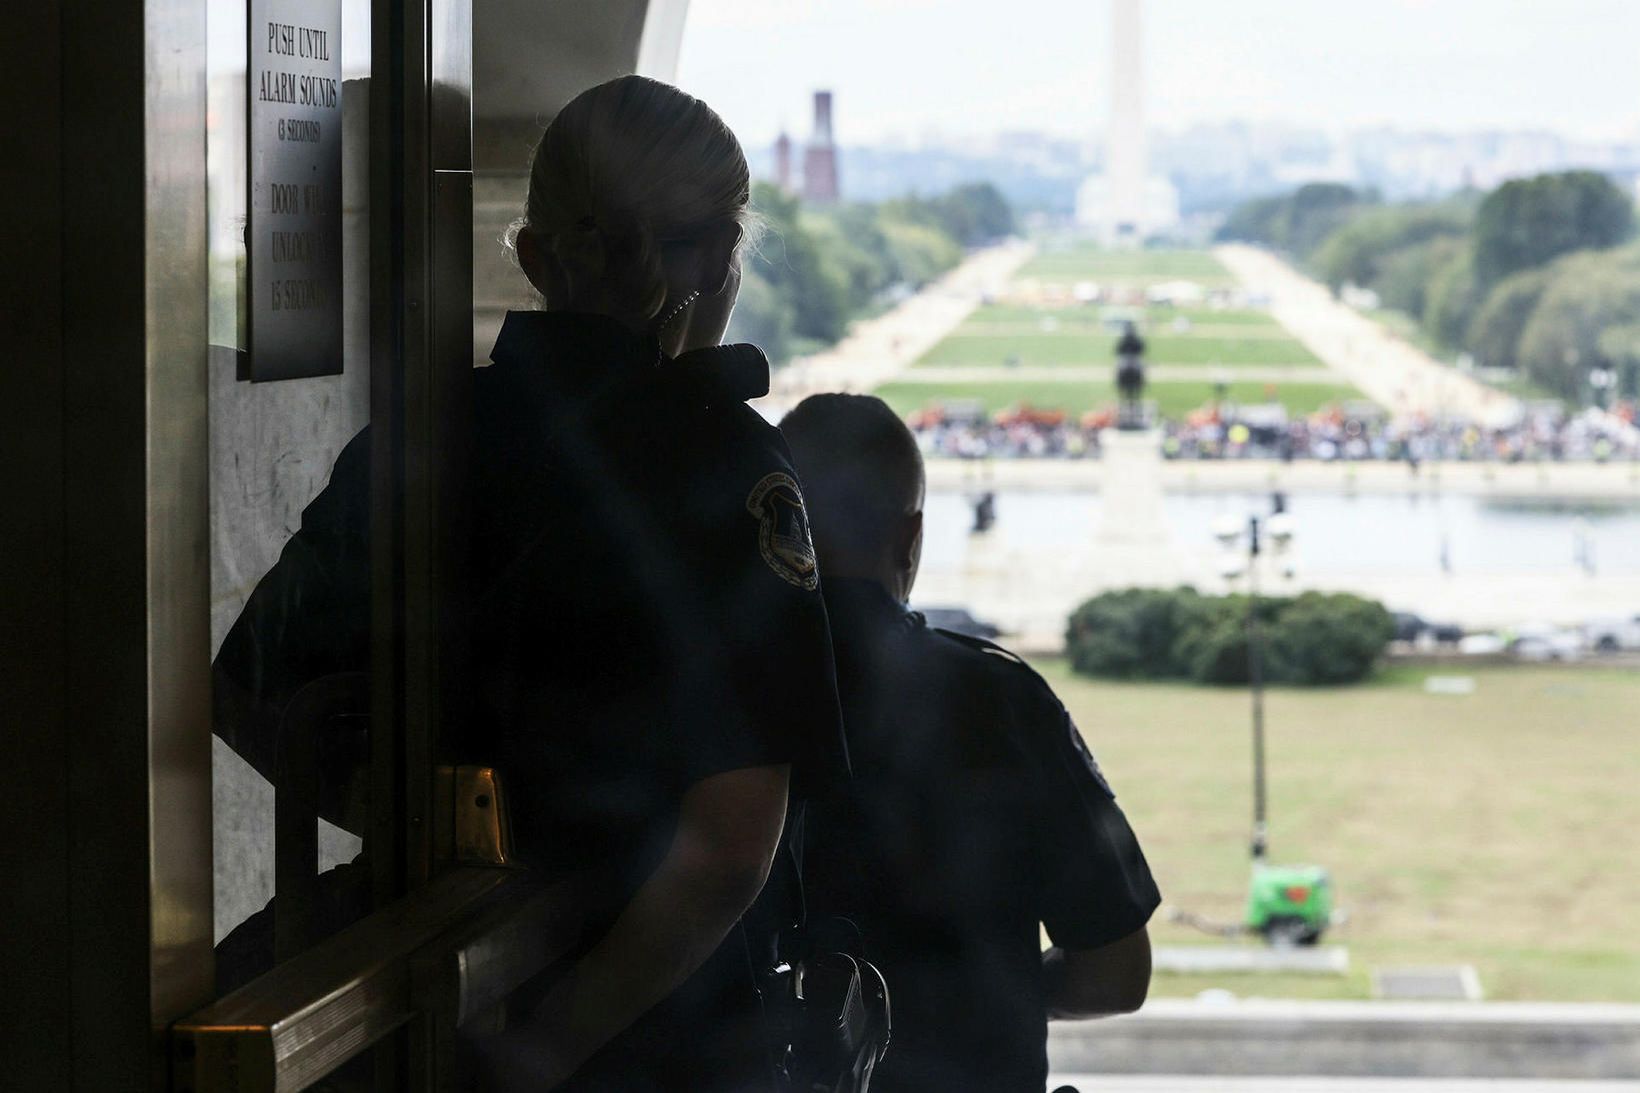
[876, 350]
[1392, 371]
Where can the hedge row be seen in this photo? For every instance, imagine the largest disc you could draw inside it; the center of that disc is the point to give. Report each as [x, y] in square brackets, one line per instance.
[1314, 638]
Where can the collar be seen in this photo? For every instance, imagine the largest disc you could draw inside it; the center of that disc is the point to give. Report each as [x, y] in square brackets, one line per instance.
[576, 343]
[856, 597]
[583, 345]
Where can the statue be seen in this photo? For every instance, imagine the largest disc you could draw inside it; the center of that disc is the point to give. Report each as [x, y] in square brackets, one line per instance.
[985, 512]
[1130, 378]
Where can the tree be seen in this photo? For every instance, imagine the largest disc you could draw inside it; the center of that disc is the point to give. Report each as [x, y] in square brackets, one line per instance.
[789, 260]
[1297, 222]
[974, 214]
[1588, 295]
[1405, 276]
[863, 274]
[1529, 222]
[1494, 334]
[1254, 221]
[1315, 212]
[815, 269]
[762, 316]
[1357, 252]
[1620, 345]
[920, 252]
[1453, 298]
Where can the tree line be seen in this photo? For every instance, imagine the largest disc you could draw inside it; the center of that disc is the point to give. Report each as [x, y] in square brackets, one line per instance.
[1541, 276]
[816, 269]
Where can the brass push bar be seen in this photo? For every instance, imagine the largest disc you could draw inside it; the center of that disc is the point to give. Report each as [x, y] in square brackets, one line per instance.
[319, 1009]
[449, 952]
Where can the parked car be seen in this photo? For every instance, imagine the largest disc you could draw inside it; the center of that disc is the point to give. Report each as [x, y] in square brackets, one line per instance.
[1415, 628]
[1541, 642]
[1408, 627]
[1482, 645]
[961, 620]
[1612, 635]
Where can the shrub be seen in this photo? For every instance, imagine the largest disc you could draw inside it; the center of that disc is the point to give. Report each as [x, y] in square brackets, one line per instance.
[1327, 639]
[1181, 634]
[1131, 634]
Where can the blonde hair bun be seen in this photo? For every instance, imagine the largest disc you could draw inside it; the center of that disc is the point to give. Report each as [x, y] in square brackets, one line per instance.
[627, 170]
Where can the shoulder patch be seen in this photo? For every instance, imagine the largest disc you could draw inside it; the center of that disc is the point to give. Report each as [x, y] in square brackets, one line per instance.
[783, 530]
[1080, 747]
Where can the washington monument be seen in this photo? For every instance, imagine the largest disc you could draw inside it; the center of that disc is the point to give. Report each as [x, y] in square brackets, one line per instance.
[1125, 205]
[1127, 158]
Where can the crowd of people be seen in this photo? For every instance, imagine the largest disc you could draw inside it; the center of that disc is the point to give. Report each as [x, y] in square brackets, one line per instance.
[1268, 432]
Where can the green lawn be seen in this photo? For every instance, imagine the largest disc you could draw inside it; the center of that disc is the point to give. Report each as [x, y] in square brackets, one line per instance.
[1496, 829]
[1089, 315]
[1173, 400]
[1071, 347]
[1082, 262]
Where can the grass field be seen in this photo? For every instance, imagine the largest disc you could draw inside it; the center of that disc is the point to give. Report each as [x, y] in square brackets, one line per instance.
[1084, 316]
[1173, 400]
[1074, 336]
[1084, 262]
[971, 345]
[1497, 829]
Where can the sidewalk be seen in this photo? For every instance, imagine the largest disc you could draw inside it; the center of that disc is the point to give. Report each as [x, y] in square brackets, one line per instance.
[1387, 369]
[876, 350]
[1104, 1083]
[1367, 1041]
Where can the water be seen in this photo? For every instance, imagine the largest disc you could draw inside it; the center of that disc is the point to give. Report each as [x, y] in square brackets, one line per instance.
[1333, 534]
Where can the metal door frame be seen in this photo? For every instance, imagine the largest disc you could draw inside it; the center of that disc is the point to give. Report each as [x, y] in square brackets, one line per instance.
[106, 776]
[421, 308]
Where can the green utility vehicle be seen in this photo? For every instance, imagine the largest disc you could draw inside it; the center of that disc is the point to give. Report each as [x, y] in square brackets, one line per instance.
[1289, 904]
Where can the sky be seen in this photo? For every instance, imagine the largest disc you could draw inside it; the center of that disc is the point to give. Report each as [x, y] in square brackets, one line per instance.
[911, 69]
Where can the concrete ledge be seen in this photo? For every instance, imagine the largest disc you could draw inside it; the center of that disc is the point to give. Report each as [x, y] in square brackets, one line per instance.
[1518, 481]
[1357, 1039]
[1212, 959]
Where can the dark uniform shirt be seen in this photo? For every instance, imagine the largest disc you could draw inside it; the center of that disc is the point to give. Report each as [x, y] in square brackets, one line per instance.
[975, 814]
[646, 614]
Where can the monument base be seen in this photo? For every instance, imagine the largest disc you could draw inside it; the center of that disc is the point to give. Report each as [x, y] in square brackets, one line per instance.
[1133, 544]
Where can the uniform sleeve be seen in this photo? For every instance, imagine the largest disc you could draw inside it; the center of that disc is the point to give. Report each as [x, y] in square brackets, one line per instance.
[308, 616]
[756, 683]
[1097, 887]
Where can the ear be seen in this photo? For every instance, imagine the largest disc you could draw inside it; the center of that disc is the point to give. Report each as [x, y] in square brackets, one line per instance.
[532, 259]
[717, 259]
[908, 541]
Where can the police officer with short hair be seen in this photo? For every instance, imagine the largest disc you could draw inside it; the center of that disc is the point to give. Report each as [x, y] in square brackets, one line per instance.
[976, 815]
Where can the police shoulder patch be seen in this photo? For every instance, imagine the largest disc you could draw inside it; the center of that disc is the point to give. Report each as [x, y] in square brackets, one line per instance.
[783, 530]
[1080, 747]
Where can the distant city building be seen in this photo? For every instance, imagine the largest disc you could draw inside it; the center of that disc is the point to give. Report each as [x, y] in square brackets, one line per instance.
[1126, 205]
[820, 157]
[783, 162]
[1210, 168]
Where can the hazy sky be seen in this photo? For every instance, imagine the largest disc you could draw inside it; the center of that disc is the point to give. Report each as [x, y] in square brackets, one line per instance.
[908, 67]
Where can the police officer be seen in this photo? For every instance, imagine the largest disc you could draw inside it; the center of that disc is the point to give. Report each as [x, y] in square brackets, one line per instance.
[976, 815]
[653, 667]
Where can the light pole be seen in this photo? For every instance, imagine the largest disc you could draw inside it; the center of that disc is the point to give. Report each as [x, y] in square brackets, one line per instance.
[1286, 904]
[1278, 526]
[1602, 380]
